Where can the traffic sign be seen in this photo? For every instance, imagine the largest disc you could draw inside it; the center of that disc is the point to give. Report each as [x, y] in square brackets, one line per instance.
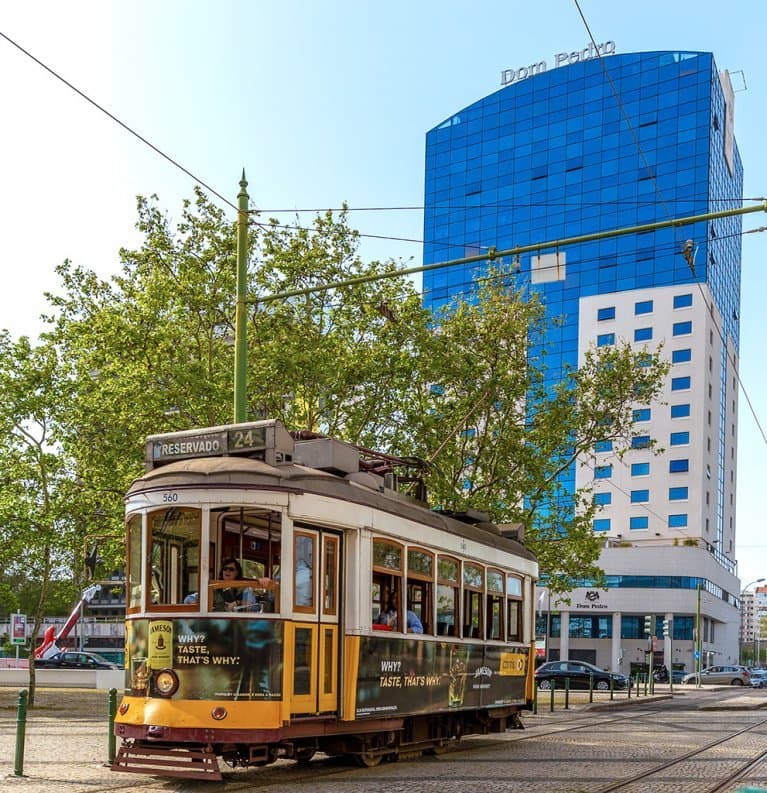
[18, 628]
[697, 655]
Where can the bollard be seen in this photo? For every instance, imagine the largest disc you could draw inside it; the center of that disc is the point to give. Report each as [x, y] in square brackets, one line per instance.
[638, 684]
[21, 729]
[645, 684]
[535, 699]
[612, 688]
[567, 693]
[591, 688]
[112, 714]
[551, 706]
[629, 682]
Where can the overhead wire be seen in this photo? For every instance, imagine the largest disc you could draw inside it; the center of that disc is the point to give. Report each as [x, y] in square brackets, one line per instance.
[114, 118]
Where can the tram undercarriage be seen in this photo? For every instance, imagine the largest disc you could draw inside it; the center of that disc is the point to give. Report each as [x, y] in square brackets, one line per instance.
[181, 753]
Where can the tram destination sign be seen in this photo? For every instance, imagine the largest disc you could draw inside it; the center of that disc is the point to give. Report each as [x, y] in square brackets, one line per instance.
[206, 443]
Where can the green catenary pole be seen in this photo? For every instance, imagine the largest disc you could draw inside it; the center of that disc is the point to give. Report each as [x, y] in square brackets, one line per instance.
[536, 247]
[240, 329]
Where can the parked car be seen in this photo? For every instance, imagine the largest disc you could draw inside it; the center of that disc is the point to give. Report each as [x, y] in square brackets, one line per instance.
[723, 675]
[661, 675]
[579, 673]
[759, 678]
[70, 659]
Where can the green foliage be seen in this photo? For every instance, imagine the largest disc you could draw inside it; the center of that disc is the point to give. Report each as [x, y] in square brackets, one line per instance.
[150, 351]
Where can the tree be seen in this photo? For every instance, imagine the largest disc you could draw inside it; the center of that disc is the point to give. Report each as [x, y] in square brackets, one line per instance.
[499, 433]
[37, 495]
[147, 352]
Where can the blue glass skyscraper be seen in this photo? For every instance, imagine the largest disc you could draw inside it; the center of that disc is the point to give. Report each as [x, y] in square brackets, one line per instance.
[601, 144]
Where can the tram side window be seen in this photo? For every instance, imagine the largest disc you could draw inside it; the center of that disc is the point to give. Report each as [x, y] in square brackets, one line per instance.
[387, 585]
[473, 598]
[174, 556]
[304, 560]
[330, 575]
[514, 608]
[420, 575]
[494, 600]
[134, 562]
[448, 587]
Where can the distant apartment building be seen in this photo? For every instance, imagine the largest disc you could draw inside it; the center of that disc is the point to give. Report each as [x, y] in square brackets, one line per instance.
[591, 145]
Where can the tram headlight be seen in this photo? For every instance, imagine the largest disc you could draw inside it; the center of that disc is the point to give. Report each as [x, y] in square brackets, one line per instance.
[166, 682]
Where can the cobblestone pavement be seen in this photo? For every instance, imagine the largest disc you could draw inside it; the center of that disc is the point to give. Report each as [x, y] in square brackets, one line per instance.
[67, 748]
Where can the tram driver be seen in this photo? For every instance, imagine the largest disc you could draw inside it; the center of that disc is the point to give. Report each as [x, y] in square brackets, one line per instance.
[236, 598]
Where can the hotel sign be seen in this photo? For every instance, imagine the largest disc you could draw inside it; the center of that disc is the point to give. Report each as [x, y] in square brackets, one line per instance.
[591, 600]
[509, 76]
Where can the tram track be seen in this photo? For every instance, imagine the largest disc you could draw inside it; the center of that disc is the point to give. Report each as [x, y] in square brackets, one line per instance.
[638, 781]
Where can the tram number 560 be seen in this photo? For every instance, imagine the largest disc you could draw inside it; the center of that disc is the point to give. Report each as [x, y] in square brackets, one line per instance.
[169, 498]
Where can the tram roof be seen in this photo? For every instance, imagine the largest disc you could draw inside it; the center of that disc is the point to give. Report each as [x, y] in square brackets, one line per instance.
[359, 488]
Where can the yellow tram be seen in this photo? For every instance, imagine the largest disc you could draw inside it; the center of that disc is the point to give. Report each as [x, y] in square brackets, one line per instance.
[286, 596]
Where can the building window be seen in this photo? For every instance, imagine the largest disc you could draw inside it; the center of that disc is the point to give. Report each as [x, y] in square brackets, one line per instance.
[680, 411]
[603, 472]
[678, 466]
[677, 521]
[640, 469]
[602, 524]
[640, 496]
[680, 383]
[605, 338]
[681, 356]
[605, 313]
[603, 499]
[643, 307]
[683, 301]
[603, 446]
[642, 334]
[680, 438]
[640, 442]
[682, 328]
[677, 494]
[641, 414]
[639, 522]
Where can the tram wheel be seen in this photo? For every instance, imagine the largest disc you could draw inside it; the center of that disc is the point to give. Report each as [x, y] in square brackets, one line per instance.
[368, 759]
[304, 755]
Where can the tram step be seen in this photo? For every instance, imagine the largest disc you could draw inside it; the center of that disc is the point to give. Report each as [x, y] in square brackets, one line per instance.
[185, 763]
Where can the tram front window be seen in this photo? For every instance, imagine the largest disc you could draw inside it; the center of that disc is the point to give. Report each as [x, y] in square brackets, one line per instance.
[174, 556]
[248, 575]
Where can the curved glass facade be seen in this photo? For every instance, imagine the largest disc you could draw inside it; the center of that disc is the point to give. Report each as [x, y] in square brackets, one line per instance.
[558, 155]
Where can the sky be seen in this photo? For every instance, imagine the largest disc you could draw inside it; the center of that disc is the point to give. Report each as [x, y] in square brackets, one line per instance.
[321, 103]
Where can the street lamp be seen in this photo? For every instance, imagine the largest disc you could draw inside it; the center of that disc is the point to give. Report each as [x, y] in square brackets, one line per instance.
[755, 644]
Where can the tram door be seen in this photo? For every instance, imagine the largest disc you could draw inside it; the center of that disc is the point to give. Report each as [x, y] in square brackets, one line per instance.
[316, 638]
